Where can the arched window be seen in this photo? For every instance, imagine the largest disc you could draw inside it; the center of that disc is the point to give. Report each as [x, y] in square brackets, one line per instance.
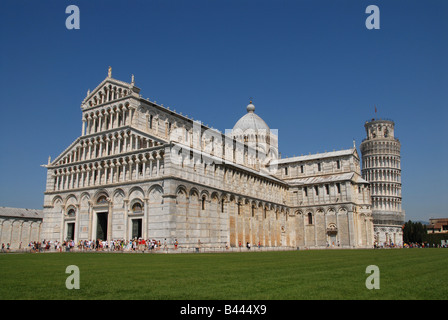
[102, 200]
[71, 212]
[203, 203]
[310, 218]
[137, 207]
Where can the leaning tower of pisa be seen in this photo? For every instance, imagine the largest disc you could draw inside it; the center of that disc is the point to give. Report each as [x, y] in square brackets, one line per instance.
[381, 167]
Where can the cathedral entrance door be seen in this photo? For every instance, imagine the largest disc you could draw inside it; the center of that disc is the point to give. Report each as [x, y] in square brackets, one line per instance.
[101, 228]
[333, 240]
[70, 231]
[136, 228]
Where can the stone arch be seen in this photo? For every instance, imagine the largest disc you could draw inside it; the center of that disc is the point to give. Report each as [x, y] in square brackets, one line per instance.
[194, 191]
[181, 194]
[342, 210]
[181, 189]
[57, 200]
[206, 194]
[99, 193]
[84, 200]
[136, 192]
[71, 200]
[215, 196]
[155, 193]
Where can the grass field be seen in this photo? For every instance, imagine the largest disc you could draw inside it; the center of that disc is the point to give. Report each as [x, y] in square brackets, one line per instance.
[290, 275]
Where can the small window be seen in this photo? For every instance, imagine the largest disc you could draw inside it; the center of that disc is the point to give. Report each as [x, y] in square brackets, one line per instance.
[71, 212]
[102, 200]
[301, 169]
[319, 167]
[137, 207]
[305, 189]
[310, 218]
[338, 164]
[286, 171]
[203, 203]
[316, 189]
[338, 186]
[327, 189]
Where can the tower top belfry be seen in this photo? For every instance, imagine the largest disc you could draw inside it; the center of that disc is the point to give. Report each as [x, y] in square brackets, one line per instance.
[380, 129]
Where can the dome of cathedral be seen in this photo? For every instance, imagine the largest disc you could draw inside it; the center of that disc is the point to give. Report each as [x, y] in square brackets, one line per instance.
[250, 122]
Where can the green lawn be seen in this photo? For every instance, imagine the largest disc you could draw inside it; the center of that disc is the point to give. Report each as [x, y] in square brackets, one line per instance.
[293, 275]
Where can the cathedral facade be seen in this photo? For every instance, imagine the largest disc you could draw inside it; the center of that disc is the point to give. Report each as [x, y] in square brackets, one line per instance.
[141, 170]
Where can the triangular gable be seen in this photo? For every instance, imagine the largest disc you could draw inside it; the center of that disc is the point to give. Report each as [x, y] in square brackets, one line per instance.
[109, 90]
[77, 142]
[355, 153]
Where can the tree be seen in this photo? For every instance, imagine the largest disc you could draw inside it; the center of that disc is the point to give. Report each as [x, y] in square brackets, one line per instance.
[413, 232]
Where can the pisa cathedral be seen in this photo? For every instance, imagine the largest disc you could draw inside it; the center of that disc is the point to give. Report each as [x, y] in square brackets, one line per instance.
[139, 169]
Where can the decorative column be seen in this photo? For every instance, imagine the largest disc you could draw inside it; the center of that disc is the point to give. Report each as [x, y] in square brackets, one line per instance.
[112, 166]
[158, 157]
[76, 224]
[106, 166]
[62, 225]
[145, 218]
[137, 162]
[91, 230]
[130, 162]
[109, 219]
[94, 123]
[126, 231]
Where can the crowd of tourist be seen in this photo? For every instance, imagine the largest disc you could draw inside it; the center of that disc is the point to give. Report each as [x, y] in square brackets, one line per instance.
[424, 245]
[150, 245]
[120, 245]
[410, 245]
[96, 245]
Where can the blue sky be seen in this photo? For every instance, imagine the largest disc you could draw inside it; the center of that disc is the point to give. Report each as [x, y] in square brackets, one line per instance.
[313, 69]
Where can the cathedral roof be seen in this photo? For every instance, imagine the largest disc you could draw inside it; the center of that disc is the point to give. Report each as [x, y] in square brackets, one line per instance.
[21, 213]
[250, 122]
[319, 156]
[327, 179]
